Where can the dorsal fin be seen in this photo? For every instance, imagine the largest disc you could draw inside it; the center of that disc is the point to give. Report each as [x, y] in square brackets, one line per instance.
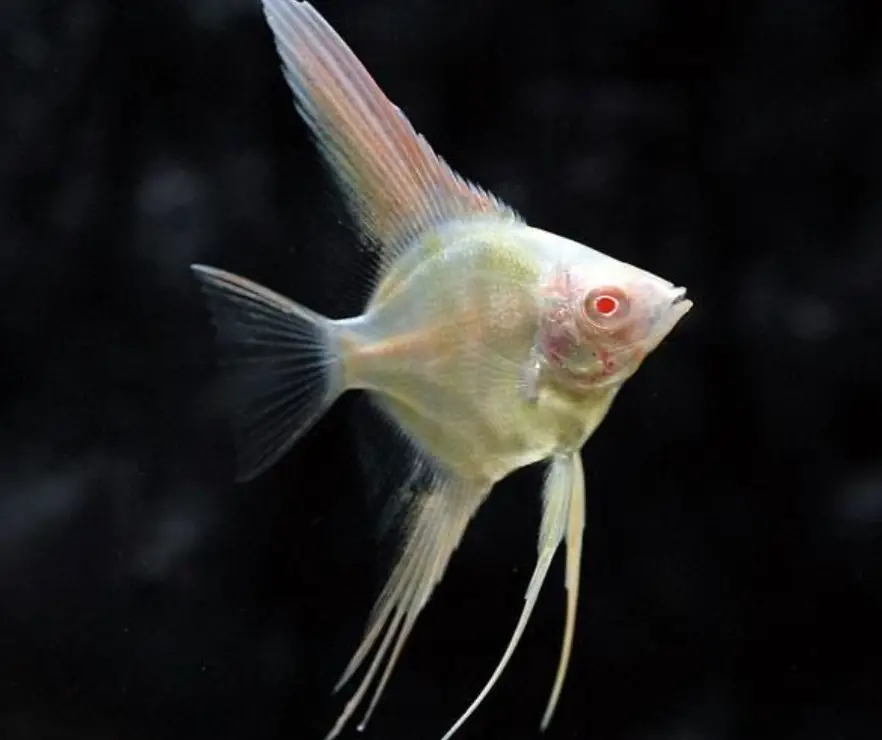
[395, 186]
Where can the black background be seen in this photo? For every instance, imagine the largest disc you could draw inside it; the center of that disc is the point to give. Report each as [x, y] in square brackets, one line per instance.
[732, 579]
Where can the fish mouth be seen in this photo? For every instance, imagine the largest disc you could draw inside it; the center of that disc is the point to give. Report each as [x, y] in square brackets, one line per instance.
[680, 303]
[677, 309]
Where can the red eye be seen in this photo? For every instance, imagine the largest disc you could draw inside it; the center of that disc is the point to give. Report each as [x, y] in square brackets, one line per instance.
[606, 305]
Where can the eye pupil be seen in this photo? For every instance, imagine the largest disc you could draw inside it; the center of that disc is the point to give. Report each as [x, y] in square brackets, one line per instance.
[605, 305]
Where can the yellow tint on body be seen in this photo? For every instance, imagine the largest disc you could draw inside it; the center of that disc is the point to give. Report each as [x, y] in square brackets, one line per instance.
[475, 345]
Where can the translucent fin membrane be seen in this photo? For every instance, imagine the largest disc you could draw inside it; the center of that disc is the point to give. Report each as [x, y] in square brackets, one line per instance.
[280, 362]
[396, 187]
[437, 522]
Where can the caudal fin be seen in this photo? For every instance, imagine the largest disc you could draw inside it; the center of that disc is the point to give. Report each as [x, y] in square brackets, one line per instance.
[282, 361]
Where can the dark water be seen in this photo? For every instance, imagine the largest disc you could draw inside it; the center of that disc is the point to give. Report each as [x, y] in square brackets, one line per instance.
[733, 565]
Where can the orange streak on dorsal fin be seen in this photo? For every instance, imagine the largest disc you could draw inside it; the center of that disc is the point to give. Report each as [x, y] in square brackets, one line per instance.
[395, 186]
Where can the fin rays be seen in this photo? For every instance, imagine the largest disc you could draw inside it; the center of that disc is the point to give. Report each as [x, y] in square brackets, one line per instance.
[398, 190]
[575, 530]
[395, 185]
[564, 484]
[435, 528]
[280, 360]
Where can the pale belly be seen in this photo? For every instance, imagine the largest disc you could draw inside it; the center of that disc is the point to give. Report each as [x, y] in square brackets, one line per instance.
[472, 414]
[479, 441]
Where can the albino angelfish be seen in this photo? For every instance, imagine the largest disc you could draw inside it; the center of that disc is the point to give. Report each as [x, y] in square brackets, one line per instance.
[489, 344]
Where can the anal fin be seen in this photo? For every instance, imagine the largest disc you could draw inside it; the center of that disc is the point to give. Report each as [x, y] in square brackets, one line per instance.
[435, 526]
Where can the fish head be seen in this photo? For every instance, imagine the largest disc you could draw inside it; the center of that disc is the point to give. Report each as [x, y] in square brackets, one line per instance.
[602, 317]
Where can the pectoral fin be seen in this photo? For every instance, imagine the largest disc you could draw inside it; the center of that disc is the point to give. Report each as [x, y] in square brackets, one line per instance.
[563, 512]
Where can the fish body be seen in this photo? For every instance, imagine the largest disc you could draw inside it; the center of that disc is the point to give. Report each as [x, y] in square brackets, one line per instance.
[488, 343]
[447, 343]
